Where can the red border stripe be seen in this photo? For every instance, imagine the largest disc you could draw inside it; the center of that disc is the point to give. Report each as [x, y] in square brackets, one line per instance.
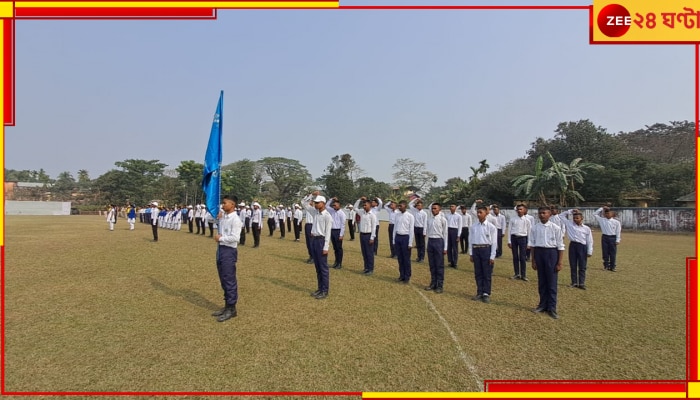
[691, 318]
[9, 66]
[341, 7]
[579, 387]
[114, 12]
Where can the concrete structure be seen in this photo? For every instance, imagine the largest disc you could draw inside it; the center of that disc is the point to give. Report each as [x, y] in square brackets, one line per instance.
[686, 201]
[37, 207]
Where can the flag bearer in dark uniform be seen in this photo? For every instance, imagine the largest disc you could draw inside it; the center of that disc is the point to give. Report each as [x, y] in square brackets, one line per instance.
[230, 227]
[320, 240]
[404, 228]
[482, 252]
[368, 224]
[611, 229]
[436, 230]
[547, 244]
[580, 246]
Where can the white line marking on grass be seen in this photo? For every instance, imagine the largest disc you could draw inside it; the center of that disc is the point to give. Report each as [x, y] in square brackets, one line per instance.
[465, 358]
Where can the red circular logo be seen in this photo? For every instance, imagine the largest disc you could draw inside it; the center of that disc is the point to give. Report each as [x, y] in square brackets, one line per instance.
[614, 20]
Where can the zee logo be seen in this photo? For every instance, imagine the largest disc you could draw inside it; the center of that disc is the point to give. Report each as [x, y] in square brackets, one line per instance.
[614, 20]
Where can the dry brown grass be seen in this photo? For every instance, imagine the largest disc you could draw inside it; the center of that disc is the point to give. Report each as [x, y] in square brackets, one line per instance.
[93, 310]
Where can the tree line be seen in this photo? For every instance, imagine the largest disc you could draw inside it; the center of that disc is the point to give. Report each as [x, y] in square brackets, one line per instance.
[582, 164]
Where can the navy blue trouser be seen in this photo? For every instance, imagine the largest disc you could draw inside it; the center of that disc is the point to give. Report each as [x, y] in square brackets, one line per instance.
[320, 262]
[307, 234]
[297, 229]
[547, 275]
[464, 239]
[420, 242]
[391, 242]
[499, 242]
[351, 229]
[609, 251]
[367, 251]
[154, 227]
[436, 260]
[256, 233]
[337, 246]
[578, 261]
[376, 239]
[226, 258]
[271, 225]
[519, 249]
[281, 221]
[403, 254]
[452, 250]
[483, 269]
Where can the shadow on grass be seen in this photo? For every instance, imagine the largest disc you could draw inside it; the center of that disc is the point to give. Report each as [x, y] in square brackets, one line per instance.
[284, 284]
[188, 295]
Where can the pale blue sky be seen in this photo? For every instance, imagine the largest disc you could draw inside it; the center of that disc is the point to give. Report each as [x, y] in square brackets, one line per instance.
[448, 88]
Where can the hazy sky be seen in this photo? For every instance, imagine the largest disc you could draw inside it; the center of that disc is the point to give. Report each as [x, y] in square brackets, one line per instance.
[447, 88]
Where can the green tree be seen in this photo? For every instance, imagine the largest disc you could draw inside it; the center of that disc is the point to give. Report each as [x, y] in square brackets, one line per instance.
[371, 188]
[242, 178]
[337, 180]
[141, 178]
[289, 178]
[112, 187]
[533, 185]
[64, 186]
[413, 175]
[190, 177]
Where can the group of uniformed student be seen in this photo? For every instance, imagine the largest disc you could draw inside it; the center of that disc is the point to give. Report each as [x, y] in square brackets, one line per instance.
[477, 231]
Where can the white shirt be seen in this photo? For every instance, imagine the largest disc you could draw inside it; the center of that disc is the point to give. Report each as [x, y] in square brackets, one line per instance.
[376, 209]
[351, 215]
[483, 233]
[546, 235]
[230, 227]
[154, 215]
[454, 220]
[404, 226]
[519, 226]
[578, 233]
[298, 215]
[392, 213]
[609, 226]
[466, 220]
[323, 223]
[281, 214]
[500, 220]
[436, 228]
[256, 217]
[368, 222]
[489, 217]
[420, 216]
[559, 221]
[271, 213]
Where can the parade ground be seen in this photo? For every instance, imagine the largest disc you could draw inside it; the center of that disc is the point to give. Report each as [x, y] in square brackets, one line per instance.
[88, 309]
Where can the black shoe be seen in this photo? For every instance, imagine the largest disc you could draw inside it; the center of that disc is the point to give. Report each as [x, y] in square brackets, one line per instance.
[582, 287]
[321, 296]
[337, 266]
[393, 256]
[228, 313]
[553, 314]
[538, 310]
[431, 287]
[218, 312]
[367, 272]
[453, 266]
[613, 269]
[438, 289]
[316, 293]
[573, 285]
[310, 261]
[400, 279]
[515, 277]
[477, 297]
[257, 245]
[486, 298]
[522, 278]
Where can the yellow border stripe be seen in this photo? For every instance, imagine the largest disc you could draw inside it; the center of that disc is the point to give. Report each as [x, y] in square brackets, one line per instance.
[525, 395]
[693, 390]
[176, 4]
[7, 9]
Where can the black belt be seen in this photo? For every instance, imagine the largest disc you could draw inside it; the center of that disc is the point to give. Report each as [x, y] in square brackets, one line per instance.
[317, 237]
[480, 246]
[399, 234]
[582, 244]
[615, 236]
[365, 233]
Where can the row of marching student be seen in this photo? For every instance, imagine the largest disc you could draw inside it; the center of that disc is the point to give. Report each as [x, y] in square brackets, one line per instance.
[477, 231]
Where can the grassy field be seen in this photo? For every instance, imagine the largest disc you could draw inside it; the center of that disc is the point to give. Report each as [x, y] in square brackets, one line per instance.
[92, 310]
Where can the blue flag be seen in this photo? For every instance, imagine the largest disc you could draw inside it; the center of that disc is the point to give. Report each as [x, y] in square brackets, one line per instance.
[211, 181]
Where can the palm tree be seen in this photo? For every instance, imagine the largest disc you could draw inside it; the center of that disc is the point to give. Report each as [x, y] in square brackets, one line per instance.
[570, 174]
[533, 185]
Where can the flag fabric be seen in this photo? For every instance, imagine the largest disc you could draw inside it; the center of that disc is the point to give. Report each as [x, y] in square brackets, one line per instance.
[211, 180]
